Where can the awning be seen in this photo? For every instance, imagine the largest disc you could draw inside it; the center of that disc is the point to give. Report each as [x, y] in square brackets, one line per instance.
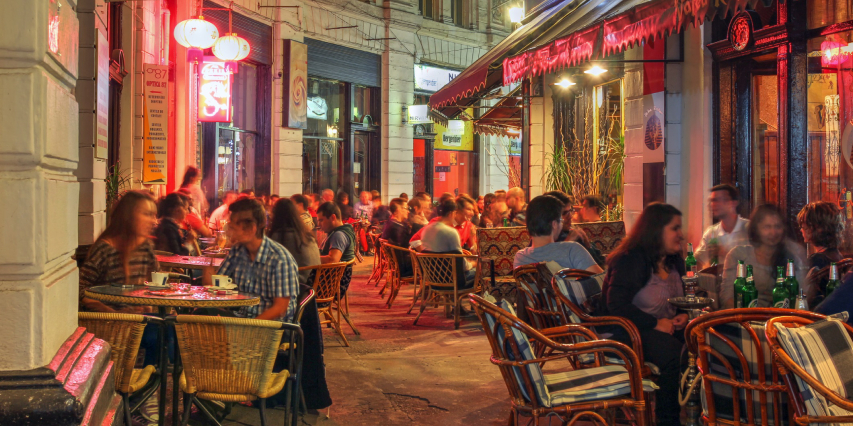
[504, 116]
[485, 72]
[597, 34]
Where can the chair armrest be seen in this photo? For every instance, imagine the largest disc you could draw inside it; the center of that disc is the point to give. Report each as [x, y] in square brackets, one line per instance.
[568, 331]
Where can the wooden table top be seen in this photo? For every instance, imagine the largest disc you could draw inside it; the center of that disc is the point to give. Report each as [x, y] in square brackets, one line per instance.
[140, 295]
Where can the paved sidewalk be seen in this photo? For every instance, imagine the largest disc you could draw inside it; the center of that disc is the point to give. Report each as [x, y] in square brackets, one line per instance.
[396, 373]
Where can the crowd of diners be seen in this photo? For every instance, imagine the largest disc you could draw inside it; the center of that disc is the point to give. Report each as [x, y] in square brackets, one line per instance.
[271, 237]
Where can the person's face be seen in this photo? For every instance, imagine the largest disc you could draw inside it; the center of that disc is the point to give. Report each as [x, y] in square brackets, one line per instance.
[465, 214]
[721, 204]
[402, 213]
[566, 215]
[377, 202]
[146, 218]
[589, 214]
[299, 208]
[326, 223]
[364, 198]
[673, 236]
[345, 200]
[557, 227]
[807, 234]
[179, 213]
[242, 228]
[480, 204]
[771, 230]
[328, 196]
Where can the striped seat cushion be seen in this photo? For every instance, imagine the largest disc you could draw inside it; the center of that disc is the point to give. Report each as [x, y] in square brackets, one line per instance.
[590, 358]
[825, 351]
[590, 384]
[723, 393]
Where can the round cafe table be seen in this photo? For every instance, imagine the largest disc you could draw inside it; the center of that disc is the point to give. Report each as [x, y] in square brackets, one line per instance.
[139, 295]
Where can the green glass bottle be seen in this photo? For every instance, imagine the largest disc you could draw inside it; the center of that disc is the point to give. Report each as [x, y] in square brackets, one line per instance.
[750, 293]
[690, 261]
[714, 243]
[791, 280]
[781, 296]
[740, 284]
[833, 283]
[506, 222]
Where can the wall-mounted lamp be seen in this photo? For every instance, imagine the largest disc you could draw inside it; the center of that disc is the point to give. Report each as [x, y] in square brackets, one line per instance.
[595, 70]
[516, 15]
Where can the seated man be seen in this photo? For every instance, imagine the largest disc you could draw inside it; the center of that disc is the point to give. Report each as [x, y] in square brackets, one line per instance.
[221, 213]
[544, 223]
[574, 234]
[461, 221]
[591, 207]
[260, 265]
[398, 232]
[441, 237]
[340, 240]
[517, 213]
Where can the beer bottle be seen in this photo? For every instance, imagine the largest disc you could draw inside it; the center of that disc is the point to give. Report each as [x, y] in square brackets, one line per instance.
[740, 284]
[781, 296]
[690, 261]
[750, 293]
[833, 283]
[506, 222]
[791, 281]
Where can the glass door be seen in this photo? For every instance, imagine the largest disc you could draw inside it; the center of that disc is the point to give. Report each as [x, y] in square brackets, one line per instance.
[322, 164]
[235, 152]
[765, 147]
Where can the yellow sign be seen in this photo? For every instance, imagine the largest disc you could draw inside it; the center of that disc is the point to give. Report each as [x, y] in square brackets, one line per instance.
[457, 136]
[155, 123]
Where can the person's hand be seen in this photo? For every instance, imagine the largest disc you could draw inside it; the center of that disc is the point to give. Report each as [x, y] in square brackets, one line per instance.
[665, 326]
[679, 321]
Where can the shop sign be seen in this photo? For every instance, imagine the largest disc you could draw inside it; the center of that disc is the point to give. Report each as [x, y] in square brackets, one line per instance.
[214, 92]
[102, 118]
[458, 136]
[419, 114]
[296, 107]
[515, 146]
[430, 79]
[740, 31]
[155, 123]
[317, 108]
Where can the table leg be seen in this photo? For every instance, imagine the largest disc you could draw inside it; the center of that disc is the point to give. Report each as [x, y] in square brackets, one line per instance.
[177, 369]
[164, 364]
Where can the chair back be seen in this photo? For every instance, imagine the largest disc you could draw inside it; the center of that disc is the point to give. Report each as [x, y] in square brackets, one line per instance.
[579, 291]
[499, 245]
[740, 379]
[227, 356]
[305, 298]
[540, 306]
[605, 236]
[124, 334]
[440, 270]
[396, 254]
[816, 355]
[390, 258]
[416, 266]
[327, 279]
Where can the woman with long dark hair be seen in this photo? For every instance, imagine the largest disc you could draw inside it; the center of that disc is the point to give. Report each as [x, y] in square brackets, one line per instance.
[123, 253]
[822, 226]
[169, 236]
[643, 272]
[769, 248]
[287, 229]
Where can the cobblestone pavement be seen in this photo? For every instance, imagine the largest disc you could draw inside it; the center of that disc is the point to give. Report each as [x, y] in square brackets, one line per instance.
[396, 373]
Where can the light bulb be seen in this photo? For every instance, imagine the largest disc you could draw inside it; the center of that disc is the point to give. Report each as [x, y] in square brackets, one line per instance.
[595, 70]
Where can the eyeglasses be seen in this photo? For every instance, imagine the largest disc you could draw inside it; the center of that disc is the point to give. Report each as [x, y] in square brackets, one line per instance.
[567, 212]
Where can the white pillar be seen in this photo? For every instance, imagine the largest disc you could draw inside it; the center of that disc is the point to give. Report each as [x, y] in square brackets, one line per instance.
[398, 85]
[632, 199]
[38, 155]
[286, 142]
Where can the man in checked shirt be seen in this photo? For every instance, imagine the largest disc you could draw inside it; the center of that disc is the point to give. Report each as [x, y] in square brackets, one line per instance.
[260, 265]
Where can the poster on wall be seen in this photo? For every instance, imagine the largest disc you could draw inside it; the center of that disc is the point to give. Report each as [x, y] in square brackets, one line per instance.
[457, 136]
[653, 128]
[155, 124]
[214, 91]
[295, 91]
[102, 116]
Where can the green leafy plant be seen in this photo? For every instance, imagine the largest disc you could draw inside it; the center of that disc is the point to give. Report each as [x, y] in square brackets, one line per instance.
[118, 182]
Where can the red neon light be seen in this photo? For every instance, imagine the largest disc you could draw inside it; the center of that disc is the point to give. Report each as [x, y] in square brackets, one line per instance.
[214, 91]
[564, 52]
[832, 54]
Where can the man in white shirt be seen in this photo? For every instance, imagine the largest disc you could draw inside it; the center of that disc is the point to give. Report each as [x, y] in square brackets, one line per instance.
[221, 213]
[729, 231]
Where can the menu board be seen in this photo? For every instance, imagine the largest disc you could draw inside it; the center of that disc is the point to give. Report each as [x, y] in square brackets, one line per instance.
[156, 124]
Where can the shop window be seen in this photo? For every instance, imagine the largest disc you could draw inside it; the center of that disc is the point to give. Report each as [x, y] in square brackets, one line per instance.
[830, 132]
[325, 108]
[608, 143]
[822, 13]
[365, 104]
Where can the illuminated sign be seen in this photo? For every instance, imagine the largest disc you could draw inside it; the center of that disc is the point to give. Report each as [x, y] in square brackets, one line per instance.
[317, 108]
[418, 114]
[214, 92]
[431, 79]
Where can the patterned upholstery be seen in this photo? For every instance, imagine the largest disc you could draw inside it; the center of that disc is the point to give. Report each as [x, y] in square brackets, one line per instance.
[570, 387]
[578, 291]
[605, 236]
[500, 245]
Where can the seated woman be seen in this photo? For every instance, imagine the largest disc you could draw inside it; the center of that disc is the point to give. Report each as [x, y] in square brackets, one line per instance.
[769, 248]
[643, 272]
[822, 226]
[169, 236]
[287, 229]
[398, 232]
[417, 218]
[441, 237]
[124, 255]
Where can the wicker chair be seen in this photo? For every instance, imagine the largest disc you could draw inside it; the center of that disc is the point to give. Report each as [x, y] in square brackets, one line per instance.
[124, 334]
[568, 395]
[231, 360]
[327, 285]
[441, 282]
[740, 380]
[395, 280]
[417, 280]
[807, 377]
[379, 262]
[287, 349]
[343, 305]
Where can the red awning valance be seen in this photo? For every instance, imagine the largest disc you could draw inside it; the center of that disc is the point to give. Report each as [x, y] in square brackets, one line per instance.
[646, 21]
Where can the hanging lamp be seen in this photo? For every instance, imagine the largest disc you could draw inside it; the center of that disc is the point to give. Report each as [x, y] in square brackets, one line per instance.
[196, 34]
[231, 48]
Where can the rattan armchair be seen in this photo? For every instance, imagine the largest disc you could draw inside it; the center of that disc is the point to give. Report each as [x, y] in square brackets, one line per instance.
[800, 382]
[740, 379]
[441, 282]
[417, 280]
[327, 285]
[379, 262]
[124, 334]
[231, 360]
[569, 395]
[395, 279]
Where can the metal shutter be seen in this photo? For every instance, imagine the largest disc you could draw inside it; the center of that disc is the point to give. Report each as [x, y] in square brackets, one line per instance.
[340, 63]
[258, 35]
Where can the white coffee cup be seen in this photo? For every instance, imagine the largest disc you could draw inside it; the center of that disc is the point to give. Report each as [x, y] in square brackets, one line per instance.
[221, 280]
[159, 278]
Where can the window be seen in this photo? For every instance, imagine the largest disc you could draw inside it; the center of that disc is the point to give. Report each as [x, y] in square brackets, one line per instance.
[462, 12]
[430, 9]
[827, 12]
[365, 102]
[608, 144]
[325, 107]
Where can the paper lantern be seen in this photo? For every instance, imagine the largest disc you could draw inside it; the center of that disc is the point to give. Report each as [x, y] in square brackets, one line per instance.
[830, 53]
[231, 48]
[196, 35]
